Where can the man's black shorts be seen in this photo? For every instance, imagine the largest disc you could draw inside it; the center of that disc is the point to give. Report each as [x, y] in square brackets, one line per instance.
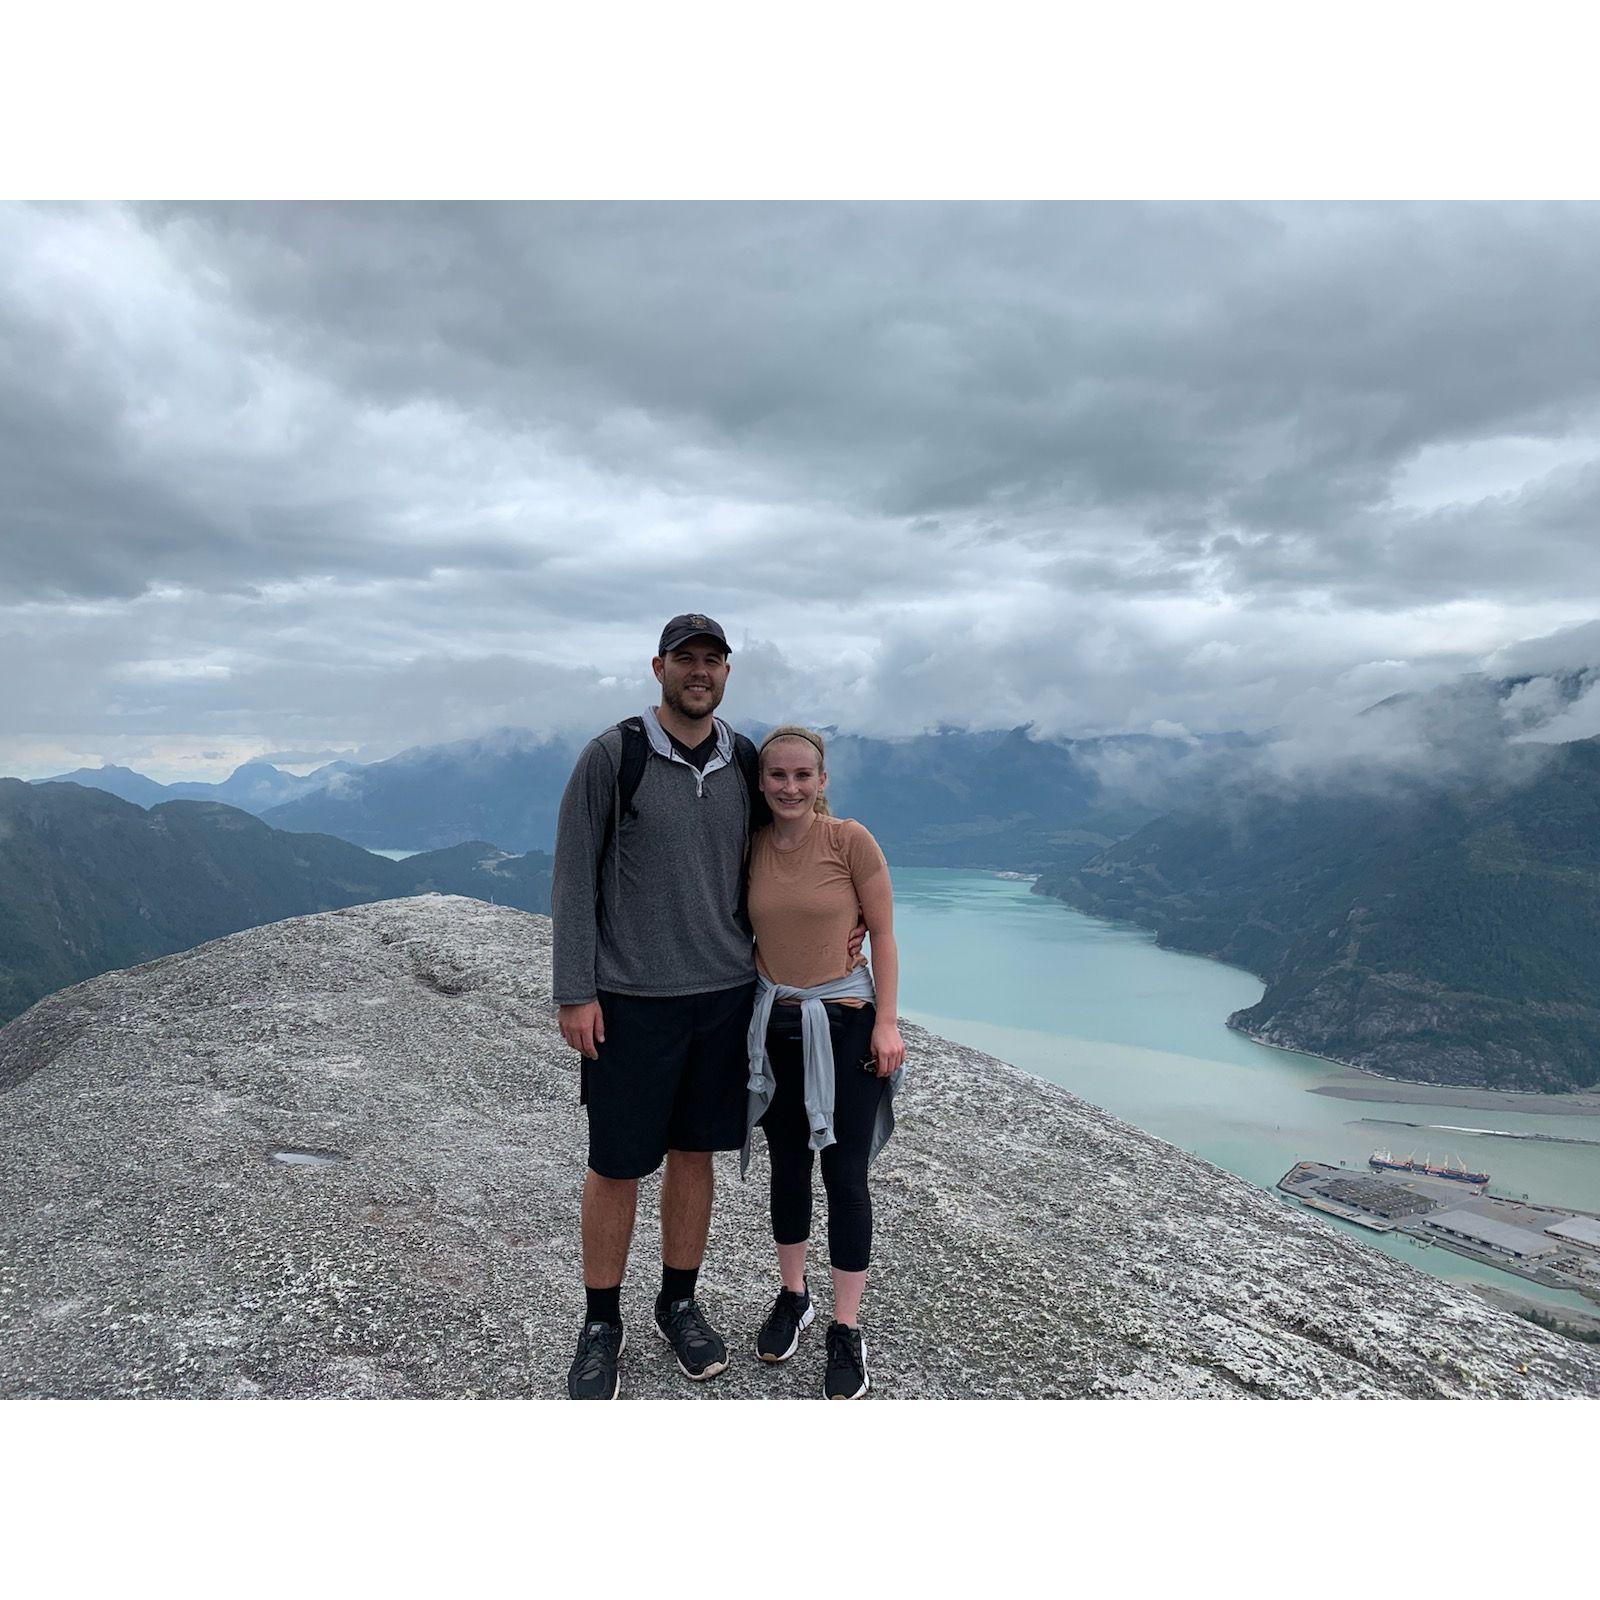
[671, 1075]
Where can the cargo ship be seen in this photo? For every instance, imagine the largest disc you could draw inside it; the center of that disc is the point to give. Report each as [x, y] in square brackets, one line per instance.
[1454, 1168]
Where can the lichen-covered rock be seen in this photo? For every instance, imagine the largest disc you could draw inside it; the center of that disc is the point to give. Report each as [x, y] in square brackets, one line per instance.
[1027, 1243]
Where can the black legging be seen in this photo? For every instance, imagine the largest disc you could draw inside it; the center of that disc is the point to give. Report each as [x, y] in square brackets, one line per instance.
[856, 1097]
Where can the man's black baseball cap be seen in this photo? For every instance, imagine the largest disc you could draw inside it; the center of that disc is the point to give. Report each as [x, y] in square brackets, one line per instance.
[692, 625]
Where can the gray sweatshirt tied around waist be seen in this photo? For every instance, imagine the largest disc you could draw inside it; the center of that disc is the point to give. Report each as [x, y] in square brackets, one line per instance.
[816, 1039]
[660, 914]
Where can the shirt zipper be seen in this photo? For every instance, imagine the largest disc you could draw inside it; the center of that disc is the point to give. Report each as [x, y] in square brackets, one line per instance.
[699, 774]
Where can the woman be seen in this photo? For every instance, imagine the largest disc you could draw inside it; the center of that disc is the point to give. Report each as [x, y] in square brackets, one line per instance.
[825, 1049]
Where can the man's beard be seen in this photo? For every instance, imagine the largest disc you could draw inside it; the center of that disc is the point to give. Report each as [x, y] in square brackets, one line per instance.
[674, 702]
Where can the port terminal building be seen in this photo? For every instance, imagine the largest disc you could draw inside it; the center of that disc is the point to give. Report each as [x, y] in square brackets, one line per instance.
[1489, 1233]
[1557, 1248]
[1577, 1230]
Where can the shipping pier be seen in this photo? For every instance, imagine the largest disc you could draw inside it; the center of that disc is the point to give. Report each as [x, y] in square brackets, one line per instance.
[1548, 1245]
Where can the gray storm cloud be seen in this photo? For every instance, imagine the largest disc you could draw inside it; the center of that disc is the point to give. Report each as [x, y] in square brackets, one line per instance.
[330, 477]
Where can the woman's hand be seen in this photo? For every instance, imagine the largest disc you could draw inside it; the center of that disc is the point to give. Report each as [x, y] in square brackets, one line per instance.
[888, 1048]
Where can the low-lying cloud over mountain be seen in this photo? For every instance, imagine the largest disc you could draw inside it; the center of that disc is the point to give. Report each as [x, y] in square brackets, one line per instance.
[341, 479]
[1474, 729]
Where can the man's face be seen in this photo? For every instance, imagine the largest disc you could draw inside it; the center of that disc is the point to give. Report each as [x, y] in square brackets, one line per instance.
[692, 677]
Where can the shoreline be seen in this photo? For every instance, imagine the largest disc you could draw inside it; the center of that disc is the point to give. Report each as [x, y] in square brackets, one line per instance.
[1517, 1304]
[1481, 1133]
[1393, 1091]
[1381, 1088]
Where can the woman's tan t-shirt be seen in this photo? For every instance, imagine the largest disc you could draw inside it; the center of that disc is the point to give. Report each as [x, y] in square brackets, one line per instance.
[804, 902]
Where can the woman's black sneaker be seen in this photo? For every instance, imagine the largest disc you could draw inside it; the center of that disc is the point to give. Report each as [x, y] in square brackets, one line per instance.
[847, 1364]
[790, 1316]
[593, 1374]
[697, 1345]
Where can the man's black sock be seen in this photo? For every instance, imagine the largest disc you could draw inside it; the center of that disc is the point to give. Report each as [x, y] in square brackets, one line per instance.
[677, 1283]
[605, 1305]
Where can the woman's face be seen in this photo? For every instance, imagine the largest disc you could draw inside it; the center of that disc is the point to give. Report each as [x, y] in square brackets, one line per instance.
[792, 777]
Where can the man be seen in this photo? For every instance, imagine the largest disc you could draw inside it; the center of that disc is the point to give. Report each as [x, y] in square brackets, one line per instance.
[654, 979]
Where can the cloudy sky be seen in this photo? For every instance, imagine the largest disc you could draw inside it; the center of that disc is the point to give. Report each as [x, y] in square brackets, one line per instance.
[296, 480]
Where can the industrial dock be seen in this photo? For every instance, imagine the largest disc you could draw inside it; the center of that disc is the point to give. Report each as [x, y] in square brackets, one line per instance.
[1545, 1244]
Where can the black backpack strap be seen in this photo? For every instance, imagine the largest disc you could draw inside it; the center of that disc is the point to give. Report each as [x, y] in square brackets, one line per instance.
[635, 753]
[630, 769]
[744, 752]
[758, 813]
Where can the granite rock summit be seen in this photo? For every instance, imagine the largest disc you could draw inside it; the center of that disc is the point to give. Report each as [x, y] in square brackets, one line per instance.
[340, 1155]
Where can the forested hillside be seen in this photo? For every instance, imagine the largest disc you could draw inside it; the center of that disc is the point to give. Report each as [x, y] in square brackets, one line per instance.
[1443, 935]
[89, 882]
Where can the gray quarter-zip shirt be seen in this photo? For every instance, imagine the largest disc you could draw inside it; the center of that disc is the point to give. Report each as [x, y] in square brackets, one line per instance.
[659, 914]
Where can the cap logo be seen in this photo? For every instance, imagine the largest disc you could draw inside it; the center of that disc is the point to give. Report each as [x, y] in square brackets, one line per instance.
[695, 620]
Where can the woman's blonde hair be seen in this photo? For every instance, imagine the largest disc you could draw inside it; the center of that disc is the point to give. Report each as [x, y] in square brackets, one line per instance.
[793, 730]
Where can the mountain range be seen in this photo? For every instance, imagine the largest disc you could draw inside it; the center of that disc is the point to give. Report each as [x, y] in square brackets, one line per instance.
[1008, 800]
[1442, 933]
[1004, 799]
[1422, 900]
[951, 798]
[254, 787]
[106, 868]
[89, 882]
